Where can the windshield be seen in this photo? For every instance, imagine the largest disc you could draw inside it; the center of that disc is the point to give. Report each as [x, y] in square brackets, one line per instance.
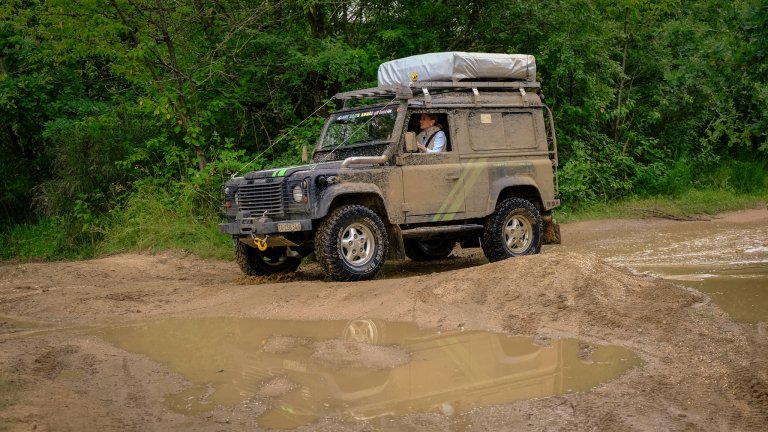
[354, 128]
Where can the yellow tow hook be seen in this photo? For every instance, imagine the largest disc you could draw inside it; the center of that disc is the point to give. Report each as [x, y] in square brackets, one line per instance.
[261, 243]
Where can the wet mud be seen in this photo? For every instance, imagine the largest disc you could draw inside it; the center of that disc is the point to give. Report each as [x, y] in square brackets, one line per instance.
[725, 257]
[617, 329]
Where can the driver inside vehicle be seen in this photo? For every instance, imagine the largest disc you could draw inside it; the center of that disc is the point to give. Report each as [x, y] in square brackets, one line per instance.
[431, 139]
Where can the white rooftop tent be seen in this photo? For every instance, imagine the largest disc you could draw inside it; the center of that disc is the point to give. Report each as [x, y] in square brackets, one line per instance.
[458, 66]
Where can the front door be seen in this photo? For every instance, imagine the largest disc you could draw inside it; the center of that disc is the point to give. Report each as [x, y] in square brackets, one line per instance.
[432, 187]
[432, 181]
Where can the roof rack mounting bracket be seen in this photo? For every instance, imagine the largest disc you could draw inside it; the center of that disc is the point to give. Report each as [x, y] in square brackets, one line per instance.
[427, 97]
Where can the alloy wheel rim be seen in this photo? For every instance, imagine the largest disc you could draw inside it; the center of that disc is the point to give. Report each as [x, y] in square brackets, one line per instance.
[356, 244]
[518, 232]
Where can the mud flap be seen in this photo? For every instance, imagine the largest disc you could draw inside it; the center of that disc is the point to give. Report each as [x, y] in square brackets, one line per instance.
[396, 250]
[551, 232]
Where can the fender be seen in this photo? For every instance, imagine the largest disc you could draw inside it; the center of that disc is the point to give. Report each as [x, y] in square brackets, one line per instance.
[329, 195]
[529, 185]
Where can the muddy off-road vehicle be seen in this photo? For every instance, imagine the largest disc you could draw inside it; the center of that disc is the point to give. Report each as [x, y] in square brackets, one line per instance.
[369, 194]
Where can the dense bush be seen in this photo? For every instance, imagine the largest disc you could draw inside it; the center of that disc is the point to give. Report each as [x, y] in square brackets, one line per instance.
[107, 106]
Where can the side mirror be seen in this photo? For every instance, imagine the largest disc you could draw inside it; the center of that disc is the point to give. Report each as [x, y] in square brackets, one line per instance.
[410, 142]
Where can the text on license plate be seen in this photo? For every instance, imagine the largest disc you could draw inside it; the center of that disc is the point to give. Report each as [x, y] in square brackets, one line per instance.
[288, 227]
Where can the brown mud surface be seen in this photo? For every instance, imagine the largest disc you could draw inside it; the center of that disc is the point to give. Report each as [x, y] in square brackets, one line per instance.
[699, 369]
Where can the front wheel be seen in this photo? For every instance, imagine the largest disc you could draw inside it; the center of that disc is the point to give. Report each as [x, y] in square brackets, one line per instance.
[351, 243]
[254, 262]
[514, 229]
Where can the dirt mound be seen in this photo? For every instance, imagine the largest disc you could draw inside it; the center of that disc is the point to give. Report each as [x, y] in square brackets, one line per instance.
[566, 291]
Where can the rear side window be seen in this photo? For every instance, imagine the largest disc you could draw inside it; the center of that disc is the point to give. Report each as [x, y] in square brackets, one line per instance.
[502, 131]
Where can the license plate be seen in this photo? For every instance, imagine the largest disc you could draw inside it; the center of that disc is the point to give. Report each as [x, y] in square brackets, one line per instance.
[288, 227]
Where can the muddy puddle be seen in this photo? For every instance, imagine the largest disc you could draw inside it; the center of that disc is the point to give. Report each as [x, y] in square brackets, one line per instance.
[294, 372]
[727, 261]
[13, 325]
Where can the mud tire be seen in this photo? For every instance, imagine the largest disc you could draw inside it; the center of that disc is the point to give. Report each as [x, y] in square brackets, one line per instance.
[427, 250]
[254, 262]
[351, 243]
[514, 229]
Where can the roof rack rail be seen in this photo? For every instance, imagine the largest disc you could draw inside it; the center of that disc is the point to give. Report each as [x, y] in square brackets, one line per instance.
[406, 91]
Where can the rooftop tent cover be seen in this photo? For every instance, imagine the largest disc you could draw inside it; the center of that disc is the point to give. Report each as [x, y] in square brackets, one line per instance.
[457, 66]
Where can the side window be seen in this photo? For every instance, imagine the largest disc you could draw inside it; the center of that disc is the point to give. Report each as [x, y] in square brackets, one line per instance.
[414, 125]
[502, 131]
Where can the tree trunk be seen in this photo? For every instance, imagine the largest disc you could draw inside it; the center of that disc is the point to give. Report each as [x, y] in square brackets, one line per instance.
[178, 79]
[316, 17]
[617, 122]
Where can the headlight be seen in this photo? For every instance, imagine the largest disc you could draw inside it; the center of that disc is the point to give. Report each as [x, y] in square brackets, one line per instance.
[298, 193]
[227, 198]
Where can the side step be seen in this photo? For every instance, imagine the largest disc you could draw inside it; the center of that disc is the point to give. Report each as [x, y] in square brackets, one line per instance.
[432, 231]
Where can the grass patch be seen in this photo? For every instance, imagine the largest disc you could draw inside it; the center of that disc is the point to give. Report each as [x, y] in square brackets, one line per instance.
[47, 239]
[155, 219]
[687, 204]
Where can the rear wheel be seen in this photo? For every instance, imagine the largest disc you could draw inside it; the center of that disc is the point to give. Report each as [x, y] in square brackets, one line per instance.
[351, 243]
[426, 250]
[514, 229]
[254, 262]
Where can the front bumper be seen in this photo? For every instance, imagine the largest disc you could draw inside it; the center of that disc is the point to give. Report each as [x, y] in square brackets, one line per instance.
[256, 226]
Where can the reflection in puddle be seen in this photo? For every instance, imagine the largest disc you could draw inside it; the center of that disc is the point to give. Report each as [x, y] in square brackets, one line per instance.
[363, 368]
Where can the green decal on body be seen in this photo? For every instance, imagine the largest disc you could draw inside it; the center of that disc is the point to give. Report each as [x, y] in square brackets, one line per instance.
[469, 176]
[280, 172]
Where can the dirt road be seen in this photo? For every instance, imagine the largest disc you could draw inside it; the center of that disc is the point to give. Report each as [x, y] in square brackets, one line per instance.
[698, 370]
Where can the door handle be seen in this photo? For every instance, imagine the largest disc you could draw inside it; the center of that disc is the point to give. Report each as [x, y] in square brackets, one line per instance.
[452, 177]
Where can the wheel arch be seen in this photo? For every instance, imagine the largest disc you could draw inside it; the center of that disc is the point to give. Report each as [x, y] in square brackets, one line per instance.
[361, 194]
[516, 187]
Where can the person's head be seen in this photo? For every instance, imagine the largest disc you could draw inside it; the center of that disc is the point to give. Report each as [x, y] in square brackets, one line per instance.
[427, 120]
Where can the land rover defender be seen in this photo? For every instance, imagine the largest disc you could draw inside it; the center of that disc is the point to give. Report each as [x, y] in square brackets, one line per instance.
[369, 194]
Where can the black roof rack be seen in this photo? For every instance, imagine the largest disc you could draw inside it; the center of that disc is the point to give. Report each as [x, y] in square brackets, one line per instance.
[405, 91]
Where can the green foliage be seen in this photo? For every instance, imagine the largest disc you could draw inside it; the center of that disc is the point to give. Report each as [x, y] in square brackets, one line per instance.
[48, 238]
[742, 176]
[156, 217]
[691, 203]
[107, 106]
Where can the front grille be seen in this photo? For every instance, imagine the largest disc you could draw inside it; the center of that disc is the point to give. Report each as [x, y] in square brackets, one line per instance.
[260, 198]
